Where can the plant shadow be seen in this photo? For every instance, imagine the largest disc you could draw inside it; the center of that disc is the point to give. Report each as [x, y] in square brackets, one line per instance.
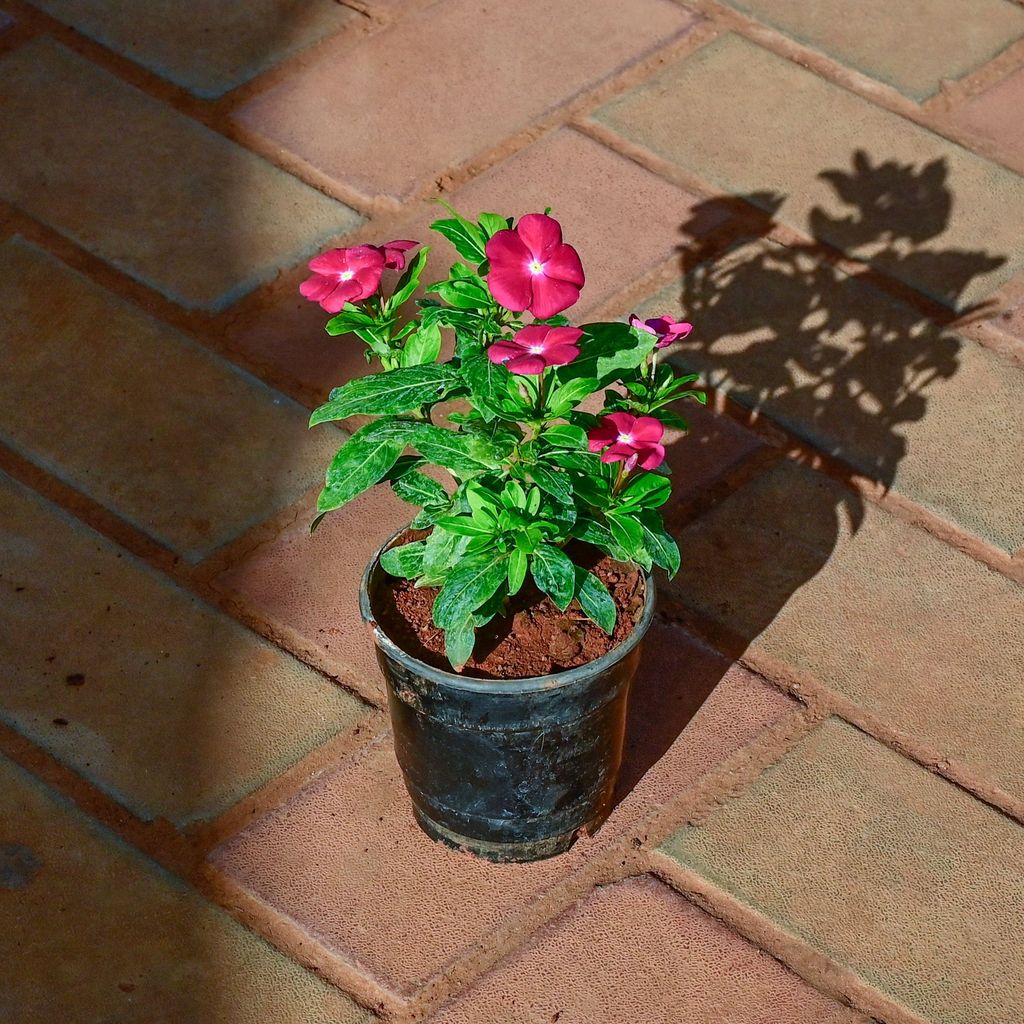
[826, 355]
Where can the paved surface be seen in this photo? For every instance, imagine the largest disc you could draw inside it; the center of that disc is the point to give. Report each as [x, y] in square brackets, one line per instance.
[201, 818]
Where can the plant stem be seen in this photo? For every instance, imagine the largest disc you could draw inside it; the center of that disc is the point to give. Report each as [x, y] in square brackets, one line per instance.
[540, 394]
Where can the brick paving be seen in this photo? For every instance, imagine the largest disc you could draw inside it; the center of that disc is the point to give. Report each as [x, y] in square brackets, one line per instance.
[819, 819]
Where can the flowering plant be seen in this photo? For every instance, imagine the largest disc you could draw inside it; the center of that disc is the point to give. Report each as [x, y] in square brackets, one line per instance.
[530, 471]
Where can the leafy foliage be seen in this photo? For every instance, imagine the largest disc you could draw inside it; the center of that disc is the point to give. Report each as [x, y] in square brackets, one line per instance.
[523, 481]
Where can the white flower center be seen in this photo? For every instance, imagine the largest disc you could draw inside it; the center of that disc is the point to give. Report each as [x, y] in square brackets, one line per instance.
[346, 275]
[536, 350]
[625, 439]
[536, 267]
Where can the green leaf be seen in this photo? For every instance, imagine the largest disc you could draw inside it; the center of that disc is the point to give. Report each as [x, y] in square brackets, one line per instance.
[594, 599]
[442, 551]
[662, 546]
[517, 563]
[466, 526]
[388, 393]
[361, 461]
[464, 293]
[558, 485]
[467, 237]
[555, 574]
[418, 489]
[459, 639]
[423, 347]
[571, 394]
[406, 560]
[592, 532]
[492, 223]
[606, 350]
[348, 320]
[564, 435]
[649, 490]
[582, 462]
[464, 454]
[468, 587]
[489, 386]
[629, 536]
[410, 280]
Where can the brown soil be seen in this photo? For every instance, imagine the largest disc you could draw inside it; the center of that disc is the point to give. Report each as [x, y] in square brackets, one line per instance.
[533, 638]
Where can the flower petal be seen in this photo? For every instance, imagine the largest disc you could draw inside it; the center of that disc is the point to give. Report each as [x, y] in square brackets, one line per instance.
[551, 296]
[331, 262]
[540, 233]
[560, 355]
[365, 256]
[346, 291]
[507, 246]
[647, 429]
[502, 351]
[316, 287]
[534, 334]
[394, 252]
[564, 335]
[529, 365]
[620, 422]
[641, 325]
[564, 265]
[651, 456]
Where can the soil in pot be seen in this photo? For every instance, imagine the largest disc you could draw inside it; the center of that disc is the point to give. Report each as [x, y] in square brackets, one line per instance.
[534, 638]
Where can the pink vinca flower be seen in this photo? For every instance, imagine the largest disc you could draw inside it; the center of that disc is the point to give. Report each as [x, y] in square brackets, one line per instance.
[532, 268]
[394, 253]
[537, 347]
[635, 440]
[343, 275]
[664, 328]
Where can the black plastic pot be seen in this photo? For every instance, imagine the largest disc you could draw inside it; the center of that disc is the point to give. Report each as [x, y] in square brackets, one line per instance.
[510, 769]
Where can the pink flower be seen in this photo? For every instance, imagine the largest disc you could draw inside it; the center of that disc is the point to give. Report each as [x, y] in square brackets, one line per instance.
[343, 275]
[664, 328]
[394, 252]
[532, 268]
[630, 439]
[537, 347]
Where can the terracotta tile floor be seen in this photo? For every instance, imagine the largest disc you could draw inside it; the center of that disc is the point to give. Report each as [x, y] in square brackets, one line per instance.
[819, 818]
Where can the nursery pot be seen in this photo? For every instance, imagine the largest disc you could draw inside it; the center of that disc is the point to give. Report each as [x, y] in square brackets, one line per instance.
[509, 769]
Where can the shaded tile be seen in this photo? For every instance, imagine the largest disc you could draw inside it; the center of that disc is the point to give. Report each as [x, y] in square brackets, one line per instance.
[151, 191]
[169, 706]
[637, 951]
[831, 164]
[480, 87]
[902, 624]
[141, 418]
[207, 47]
[346, 859]
[95, 932]
[862, 377]
[996, 115]
[882, 866]
[910, 46]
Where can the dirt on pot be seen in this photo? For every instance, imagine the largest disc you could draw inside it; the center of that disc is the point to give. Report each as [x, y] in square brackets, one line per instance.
[533, 638]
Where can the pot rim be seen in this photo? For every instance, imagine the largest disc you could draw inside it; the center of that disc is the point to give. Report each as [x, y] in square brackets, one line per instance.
[454, 680]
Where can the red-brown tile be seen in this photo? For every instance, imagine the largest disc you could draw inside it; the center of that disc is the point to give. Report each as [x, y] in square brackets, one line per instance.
[432, 91]
[637, 951]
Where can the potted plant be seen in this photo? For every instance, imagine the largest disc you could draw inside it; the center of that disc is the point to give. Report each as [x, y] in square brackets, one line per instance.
[508, 616]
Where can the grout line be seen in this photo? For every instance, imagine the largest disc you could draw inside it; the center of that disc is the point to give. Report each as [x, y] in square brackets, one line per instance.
[817, 969]
[293, 941]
